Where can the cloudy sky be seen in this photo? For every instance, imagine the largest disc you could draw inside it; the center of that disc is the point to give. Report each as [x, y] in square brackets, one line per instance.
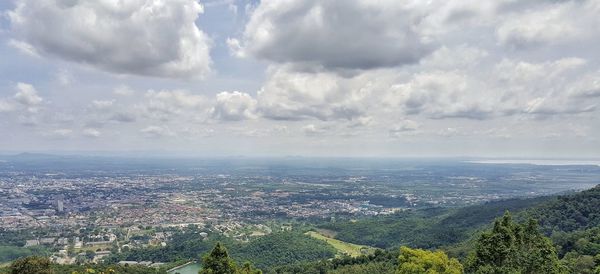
[501, 78]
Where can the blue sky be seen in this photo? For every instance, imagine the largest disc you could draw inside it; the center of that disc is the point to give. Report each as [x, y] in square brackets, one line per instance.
[500, 78]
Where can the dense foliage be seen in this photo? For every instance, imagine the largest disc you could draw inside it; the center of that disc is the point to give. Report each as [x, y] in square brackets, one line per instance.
[284, 248]
[514, 248]
[426, 228]
[42, 265]
[580, 250]
[31, 265]
[570, 212]
[219, 262]
[381, 261]
[414, 261]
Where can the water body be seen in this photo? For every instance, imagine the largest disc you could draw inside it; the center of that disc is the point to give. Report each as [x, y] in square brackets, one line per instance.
[542, 162]
[188, 269]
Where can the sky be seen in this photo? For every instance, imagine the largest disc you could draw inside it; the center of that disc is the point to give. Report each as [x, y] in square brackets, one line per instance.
[389, 78]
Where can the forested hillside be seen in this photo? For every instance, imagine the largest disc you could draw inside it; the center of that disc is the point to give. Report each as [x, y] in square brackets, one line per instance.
[569, 212]
[427, 228]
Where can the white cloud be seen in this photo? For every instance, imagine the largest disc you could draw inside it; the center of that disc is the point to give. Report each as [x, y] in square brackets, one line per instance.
[23, 47]
[587, 86]
[157, 132]
[546, 23]
[235, 48]
[293, 95]
[168, 104]
[59, 133]
[91, 132]
[5, 106]
[27, 95]
[441, 94]
[234, 106]
[403, 127]
[340, 34]
[312, 130]
[123, 90]
[102, 104]
[64, 77]
[156, 38]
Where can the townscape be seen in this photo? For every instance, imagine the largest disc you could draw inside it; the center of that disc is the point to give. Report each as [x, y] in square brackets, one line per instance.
[71, 212]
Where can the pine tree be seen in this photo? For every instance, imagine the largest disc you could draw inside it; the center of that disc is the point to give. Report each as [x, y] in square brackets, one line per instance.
[514, 248]
[218, 262]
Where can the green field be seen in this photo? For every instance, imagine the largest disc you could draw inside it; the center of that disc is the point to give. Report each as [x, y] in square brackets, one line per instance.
[342, 247]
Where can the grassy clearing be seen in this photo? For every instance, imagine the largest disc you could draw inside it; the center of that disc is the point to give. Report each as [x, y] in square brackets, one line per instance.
[342, 247]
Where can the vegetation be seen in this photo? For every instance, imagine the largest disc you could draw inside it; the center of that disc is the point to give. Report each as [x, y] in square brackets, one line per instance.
[344, 248]
[282, 248]
[31, 265]
[568, 241]
[219, 262]
[185, 245]
[569, 212]
[10, 253]
[514, 248]
[427, 228]
[42, 265]
[415, 261]
[381, 261]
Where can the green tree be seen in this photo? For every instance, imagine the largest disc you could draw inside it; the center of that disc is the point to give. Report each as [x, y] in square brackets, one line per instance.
[581, 264]
[417, 261]
[218, 261]
[31, 265]
[514, 248]
[248, 268]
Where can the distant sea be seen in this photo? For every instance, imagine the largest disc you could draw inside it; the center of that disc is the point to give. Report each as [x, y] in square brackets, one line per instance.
[541, 162]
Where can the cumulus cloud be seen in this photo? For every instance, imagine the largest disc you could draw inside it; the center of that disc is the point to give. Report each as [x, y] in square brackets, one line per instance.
[155, 38]
[27, 95]
[313, 130]
[547, 22]
[403, 127]
[123, 90]
[59, 133]
[292, 95]
[91, 133]
[234, 106]
[167, 104]
[338, 34]
[587, 86]
[23, 47]
[157, 132]
[312, 44]
[64, 77]
[545, 88]
[102, 104]
[5, 106]
[441, 94]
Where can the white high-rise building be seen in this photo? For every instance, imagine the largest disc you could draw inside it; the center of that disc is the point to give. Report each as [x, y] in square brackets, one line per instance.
[60, 204]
